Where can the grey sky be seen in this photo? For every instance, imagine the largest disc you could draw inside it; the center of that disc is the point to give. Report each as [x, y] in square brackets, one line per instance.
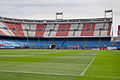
[46, 9]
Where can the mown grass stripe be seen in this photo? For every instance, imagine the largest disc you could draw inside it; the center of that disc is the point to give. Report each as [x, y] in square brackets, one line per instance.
[60, 74]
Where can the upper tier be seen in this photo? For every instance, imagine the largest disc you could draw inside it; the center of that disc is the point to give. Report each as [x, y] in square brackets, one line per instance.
[56, 28]
[56, 21]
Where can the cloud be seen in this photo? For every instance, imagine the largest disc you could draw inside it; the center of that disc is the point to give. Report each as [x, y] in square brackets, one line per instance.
[46, 9]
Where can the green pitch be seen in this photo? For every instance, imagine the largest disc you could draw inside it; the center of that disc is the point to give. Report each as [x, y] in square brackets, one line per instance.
[30, 64]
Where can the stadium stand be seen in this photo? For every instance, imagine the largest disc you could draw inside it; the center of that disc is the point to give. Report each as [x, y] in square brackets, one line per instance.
[60, 43]
[86, 33]
[55, 30]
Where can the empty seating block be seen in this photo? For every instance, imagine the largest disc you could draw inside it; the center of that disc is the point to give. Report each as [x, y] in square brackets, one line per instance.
[46, 33]
[104, 33]
[109, 28]
[12, 28]
[25, 27]
[33, 27]
[74, 26]
[39, 29]
[85, 28]
[91, 30]
[42, 32]
[96, 33]
[53, 33]
[2, 30]
[77, 33]
[106, 26]
[99, 26]
[80, 42]
[98, 29]
[93, 43]
[48, 29]
[68, 43]
[61, 28]
[65, 33]
[80, 27]
[19, 29]
[31, 33]
[71, 33]
[2, 33]
[72, 29]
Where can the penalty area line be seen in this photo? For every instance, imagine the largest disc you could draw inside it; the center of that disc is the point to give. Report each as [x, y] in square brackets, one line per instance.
[82, 74]
[38, 73]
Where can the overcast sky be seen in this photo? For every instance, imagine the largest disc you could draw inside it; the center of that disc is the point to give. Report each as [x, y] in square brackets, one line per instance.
[46, 9]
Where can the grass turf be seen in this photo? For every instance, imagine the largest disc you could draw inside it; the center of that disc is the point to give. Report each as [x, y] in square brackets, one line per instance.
[33, 64]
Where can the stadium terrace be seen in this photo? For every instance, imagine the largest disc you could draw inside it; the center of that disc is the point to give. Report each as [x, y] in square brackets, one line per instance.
[93, 33]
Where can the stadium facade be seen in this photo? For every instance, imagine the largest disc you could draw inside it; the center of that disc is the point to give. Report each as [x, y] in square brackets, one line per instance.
[93, 33]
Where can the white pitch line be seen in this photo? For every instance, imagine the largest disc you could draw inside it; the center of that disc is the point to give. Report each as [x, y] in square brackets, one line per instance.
[59, 74]
[38, 73]
[82, 74]
[7, 52]
[101, 76]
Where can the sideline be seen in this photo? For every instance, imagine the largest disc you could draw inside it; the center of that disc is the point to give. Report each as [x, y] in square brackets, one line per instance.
[59, 74]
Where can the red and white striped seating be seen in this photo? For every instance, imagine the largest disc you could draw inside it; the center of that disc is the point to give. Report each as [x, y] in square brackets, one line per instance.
[55, 30]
